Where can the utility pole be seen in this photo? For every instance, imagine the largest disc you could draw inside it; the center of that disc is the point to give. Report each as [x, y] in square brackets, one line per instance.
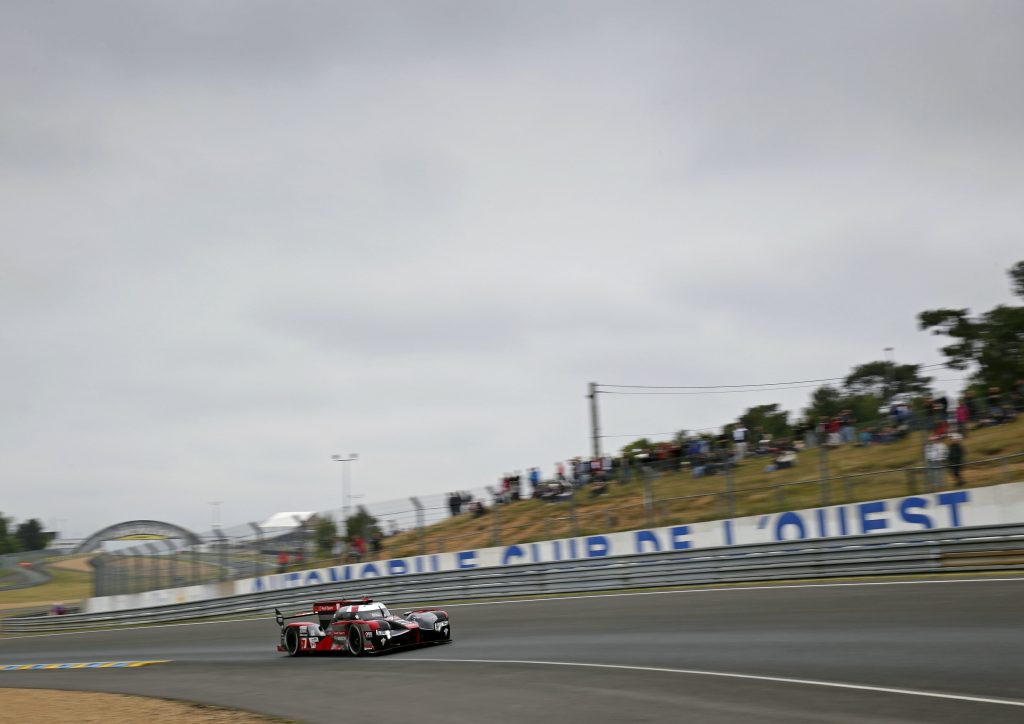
[595, 425]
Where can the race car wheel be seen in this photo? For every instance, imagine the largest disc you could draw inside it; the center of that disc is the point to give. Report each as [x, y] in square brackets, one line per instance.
[291, 642]
[355, 640]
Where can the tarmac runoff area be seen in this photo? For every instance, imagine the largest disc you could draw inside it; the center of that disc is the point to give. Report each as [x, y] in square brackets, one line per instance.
[913, 651]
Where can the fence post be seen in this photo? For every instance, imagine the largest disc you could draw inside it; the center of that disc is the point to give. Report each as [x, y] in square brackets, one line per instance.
[496, 531]
[730, 493]
[259, 548]
[222, 552]
[419, 524]
[572, 513]
[648, 497]
[780, 494]
[911, 483]
[172, 567]
[154, 565]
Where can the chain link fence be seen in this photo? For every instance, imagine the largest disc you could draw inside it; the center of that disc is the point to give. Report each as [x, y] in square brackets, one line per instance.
[627, 500]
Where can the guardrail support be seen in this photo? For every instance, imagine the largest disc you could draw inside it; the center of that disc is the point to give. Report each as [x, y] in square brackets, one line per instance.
[419, 524]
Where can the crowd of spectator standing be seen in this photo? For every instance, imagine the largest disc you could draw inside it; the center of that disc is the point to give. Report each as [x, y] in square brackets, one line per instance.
[946, 424]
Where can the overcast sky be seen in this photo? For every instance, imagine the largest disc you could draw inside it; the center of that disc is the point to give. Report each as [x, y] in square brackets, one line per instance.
[239, 237]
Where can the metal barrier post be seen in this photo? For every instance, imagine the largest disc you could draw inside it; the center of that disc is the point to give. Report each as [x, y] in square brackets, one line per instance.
[419, 524]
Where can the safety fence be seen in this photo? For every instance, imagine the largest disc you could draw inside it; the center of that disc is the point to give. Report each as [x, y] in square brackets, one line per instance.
[636, 496]
[993, 548]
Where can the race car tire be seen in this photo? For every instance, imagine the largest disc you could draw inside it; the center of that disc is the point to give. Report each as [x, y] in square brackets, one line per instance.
[355, 640]
[291, 642]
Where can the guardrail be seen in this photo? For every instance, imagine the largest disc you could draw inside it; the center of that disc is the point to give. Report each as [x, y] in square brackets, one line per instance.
[963, 549]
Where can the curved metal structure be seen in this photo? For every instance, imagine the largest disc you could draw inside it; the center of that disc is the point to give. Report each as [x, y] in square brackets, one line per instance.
[139, 530]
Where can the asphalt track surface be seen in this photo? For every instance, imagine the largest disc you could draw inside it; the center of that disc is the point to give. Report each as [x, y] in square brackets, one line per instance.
[953, 649]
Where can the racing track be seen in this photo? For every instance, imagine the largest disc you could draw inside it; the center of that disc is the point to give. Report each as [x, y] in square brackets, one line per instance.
[963, 638]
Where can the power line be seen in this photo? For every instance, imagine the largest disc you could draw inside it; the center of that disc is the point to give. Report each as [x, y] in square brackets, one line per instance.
[718, 387]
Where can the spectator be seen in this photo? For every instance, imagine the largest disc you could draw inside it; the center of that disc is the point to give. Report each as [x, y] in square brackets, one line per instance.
[833, 427]
[935, 454]
[535, 479]
[58, 609]
[358, 548]
[282, 561]
[739, 441]
[956, 458]
[476, 509]
[560, 472]
[995, 405]
[849, 431]
[963, 414]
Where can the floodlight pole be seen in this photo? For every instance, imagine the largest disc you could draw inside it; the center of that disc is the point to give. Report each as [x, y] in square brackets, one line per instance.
[343, 527]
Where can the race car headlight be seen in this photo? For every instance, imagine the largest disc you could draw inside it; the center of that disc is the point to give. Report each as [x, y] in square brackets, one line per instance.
[440, 625]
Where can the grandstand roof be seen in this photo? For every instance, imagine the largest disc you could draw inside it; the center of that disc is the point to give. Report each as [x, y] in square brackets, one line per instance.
[286, 520]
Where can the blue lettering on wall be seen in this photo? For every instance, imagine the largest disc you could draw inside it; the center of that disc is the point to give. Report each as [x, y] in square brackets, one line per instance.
[727, 532]
[680, 537]
[908, 505]
[646, 537]
[558, 550]
[822, 525]
[573, 554]
[465, 559]
[435, 563]
[312, 578]
[787, 520]
[841, 512]
[510, 553]
[258, 585]
[292, 579]
[597, 546]
[867, 523]
[369, 570]
[398, 567]
[535, 552]
[953, 499]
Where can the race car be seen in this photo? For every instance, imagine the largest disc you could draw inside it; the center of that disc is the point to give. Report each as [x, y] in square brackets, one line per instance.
[360, 626]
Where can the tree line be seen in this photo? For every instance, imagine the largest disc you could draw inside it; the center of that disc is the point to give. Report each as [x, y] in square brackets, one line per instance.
[26, 536]
[990, 344]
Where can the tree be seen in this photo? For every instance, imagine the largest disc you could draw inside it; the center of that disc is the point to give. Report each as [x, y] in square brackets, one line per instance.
[994, 341]
[325, 532]
[769, 418]
[359, 524]
[637, 447]
[883, 379]
[826, 401]
[31, 536]
[8, 543]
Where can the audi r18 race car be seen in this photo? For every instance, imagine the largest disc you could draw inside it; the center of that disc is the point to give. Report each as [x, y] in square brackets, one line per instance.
[360, 626]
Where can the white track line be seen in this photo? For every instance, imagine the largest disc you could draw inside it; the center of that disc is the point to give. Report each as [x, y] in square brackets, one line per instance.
[730, 675]
[723, 589]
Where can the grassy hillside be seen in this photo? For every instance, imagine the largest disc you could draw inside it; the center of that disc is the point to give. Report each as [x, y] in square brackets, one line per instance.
[857, 474]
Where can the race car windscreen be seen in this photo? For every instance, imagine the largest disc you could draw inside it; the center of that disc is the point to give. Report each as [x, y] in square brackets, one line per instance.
[368, 615]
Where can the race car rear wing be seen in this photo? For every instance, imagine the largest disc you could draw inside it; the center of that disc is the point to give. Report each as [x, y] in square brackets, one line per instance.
[281, 617]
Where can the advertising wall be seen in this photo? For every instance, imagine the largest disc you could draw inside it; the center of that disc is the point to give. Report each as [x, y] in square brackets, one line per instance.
[996, 505]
